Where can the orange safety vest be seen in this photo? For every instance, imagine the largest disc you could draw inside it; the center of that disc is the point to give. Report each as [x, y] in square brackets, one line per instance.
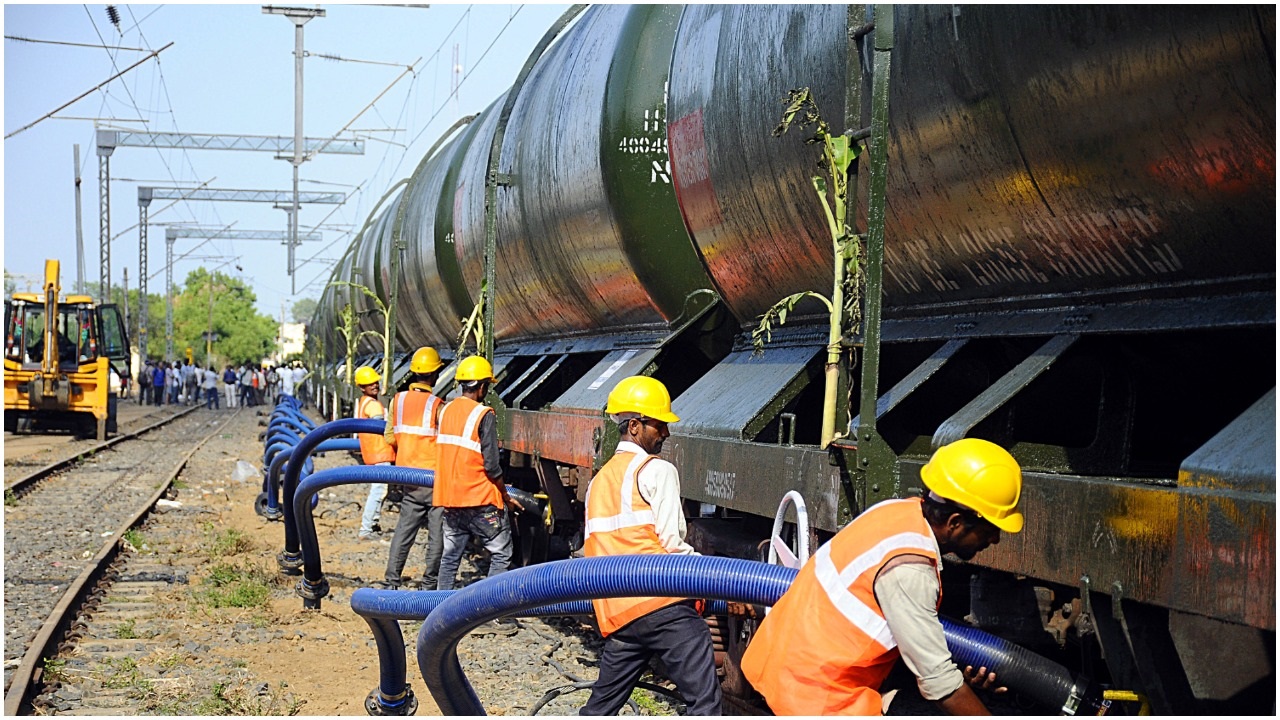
[621, 522]
[461, 480]
[415, 419]
[374, 449]
[825, 648]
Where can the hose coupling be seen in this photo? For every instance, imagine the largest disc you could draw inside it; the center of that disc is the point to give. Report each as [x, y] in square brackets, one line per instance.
[290, 563]
[308, 590]
[379, 705]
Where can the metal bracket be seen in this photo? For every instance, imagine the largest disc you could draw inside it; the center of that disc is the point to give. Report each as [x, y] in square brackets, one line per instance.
[1002, 391]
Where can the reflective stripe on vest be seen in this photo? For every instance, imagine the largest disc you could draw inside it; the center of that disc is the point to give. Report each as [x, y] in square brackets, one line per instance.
[827, 634]
[374, 449]
[461, 480]
[470, 437]
[424, 427]
[628, 516]
[621, 522]
[415, 430]
[836, 582]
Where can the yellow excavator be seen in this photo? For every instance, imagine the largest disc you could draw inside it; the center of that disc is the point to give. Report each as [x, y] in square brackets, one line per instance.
[58, 356]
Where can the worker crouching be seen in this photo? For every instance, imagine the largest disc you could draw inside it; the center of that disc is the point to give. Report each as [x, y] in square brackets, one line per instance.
[634, 508]
[871, 595]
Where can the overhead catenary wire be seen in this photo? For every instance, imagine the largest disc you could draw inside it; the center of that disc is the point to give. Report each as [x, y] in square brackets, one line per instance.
[80, 97]
[73, 44]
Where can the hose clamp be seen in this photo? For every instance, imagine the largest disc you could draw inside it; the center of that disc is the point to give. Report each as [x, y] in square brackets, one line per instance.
[379, 705]
[313, 591]
[289, 563]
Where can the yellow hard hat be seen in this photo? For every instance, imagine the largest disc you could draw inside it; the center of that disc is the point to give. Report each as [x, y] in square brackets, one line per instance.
[644, 395]
[366, 376]
[475, 368]
[425, 360]
[979, 475]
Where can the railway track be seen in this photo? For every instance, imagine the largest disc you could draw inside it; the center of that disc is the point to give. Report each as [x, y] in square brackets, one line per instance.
[66, 526]
[30, 466]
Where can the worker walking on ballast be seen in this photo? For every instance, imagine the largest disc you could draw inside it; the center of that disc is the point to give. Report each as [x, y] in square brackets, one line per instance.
[634, 508]
[374, 448]
[469, 484]
[411, 428]
[872, 594]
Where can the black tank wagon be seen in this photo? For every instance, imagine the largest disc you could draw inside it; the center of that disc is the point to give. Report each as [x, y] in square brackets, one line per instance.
[1079, 265]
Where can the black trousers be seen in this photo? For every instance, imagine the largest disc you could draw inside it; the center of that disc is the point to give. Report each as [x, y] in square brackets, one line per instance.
[681, 639]
[417, 511]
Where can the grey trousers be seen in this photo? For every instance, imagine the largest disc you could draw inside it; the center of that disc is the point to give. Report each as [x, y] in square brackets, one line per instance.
[680, 638]
[414, 513]
[487, 524]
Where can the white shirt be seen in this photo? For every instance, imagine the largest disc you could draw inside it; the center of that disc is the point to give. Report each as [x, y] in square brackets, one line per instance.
[210, 380]
[908, 596]
[659, 485]
[286, 382]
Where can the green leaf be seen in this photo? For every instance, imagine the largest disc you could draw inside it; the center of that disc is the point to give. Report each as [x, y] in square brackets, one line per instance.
[820, 184]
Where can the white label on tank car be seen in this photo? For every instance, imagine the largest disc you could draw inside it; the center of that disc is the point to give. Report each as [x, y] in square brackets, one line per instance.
[721, 484]
[609, 371]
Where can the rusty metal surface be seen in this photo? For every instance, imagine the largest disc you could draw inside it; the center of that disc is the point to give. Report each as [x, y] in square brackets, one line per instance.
[563, 437]
[1183, 548]
[752, 478]
[1036, 157]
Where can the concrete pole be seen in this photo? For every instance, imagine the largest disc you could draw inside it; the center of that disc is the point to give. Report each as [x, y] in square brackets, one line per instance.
[144, 307]
[79, 230]
[168, 301]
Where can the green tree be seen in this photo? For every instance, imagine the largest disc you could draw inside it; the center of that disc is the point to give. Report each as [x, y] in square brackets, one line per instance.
[10, 284]
[304, 309]
[244, 334]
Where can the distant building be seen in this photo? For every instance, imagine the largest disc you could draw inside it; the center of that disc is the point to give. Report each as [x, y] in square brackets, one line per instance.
[290, 340]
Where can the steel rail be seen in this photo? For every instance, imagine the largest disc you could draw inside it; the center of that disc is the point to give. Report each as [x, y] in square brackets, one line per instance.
[45, 643]
[22, 485]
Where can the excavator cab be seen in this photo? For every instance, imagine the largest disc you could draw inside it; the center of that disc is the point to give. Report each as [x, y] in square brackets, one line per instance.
[58, 357]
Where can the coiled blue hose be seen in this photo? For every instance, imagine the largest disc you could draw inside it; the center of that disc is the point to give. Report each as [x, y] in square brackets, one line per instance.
[288, 420]
[303, 450]
[716, 578]
[681, 576]
[313, 587]
[280, 459]
[382, 609]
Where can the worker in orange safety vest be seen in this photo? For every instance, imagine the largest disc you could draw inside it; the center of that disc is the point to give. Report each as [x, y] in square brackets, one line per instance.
[871, 595]
[634, 508]
[374, 449]
[412, 426]
[469, 482]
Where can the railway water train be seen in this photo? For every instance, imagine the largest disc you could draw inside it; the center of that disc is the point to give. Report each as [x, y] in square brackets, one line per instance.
[1079, 264]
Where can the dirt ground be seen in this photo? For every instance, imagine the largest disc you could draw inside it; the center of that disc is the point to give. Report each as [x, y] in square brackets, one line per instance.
[327, 656]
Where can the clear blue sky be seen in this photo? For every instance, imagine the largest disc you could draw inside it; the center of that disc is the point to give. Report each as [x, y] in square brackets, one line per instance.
[231, 71]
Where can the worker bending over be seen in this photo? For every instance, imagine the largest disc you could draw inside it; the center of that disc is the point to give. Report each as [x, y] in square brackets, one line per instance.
[872, 594]
[633, 508]
[469, 482]
[411, 428]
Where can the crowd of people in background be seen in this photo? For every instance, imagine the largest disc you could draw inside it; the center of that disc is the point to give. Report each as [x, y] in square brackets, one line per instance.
[243, 385]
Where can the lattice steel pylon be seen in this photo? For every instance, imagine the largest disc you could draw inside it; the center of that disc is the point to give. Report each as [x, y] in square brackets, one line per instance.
[104, 224]
[108, 140]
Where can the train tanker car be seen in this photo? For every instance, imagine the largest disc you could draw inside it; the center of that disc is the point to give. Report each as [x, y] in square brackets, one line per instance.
[1079, 264]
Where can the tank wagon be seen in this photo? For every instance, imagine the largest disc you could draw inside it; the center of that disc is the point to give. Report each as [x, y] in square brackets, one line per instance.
[1079, 265]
